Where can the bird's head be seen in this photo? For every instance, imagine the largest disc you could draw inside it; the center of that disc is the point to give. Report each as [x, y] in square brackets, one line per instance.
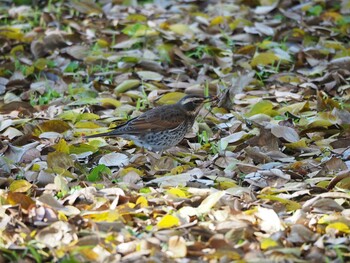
[192, 103]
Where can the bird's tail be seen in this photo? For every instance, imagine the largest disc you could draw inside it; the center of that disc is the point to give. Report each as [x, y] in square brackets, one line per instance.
[110, 133]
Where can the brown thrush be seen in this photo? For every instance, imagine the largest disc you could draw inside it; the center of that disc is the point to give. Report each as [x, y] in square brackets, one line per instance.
[162, 127]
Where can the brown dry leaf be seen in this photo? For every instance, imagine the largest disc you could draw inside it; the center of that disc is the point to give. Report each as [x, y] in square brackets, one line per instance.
[20, 199]
[59, 160]
[301, 234]
[54, 204]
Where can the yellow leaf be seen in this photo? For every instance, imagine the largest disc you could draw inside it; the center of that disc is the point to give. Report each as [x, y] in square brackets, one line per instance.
[131, 205]
[344, 183]
[82, 148]
[267, 44]
[136, 18]
[89, 116]
[11, 33]
[17, 49]
[36, 167]
[69, 115]
[218, 110]
[170, 98]
[290, 205]
[295, 108]
[125, 171]
[333, 45]
[62, 217]
[29, 70]
[102, 43]
[20, 186]
[110, 101]
[251, 211]
[297, 145]
[264, 106]
[180, 169]
[142, 201]
[180, 29]
[146, 75]
[217, 20]
[176, 192]
[340, 227]
[239, 22]
[264, 59]
[107, 216]
[324, 119]
[139, 30]
[168, 221]
[289, 79]
[149, 228]
[324, 184]
[335, 16]
[127, 85]
[267, 243]
[86, 125]
[40, 63]
[298, 32]
[248, 49]
[62, 146]
[225, 185]
[89, 254]
[60, 253]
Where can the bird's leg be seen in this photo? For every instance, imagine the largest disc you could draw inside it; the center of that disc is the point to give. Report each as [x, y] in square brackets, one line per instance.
[143, 150]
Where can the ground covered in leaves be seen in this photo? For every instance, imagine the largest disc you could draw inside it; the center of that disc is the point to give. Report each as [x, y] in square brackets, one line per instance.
[263, 176]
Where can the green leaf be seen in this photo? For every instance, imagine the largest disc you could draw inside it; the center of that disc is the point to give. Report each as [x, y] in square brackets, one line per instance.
[72, 67]
[98, 172]
[315, 10]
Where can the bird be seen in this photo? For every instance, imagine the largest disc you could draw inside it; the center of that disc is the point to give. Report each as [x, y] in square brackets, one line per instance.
[162, 127]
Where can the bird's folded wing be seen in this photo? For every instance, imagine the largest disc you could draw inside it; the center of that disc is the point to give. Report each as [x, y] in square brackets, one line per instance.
[153, 123]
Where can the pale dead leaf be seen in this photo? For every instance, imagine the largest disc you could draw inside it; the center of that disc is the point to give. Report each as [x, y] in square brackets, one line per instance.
[114, 159]
[177, 247]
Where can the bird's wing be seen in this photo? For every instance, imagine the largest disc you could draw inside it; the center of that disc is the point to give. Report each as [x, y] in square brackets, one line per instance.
[155, 121]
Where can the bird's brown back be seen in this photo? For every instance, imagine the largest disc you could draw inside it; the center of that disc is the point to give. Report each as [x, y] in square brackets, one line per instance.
[155, 120]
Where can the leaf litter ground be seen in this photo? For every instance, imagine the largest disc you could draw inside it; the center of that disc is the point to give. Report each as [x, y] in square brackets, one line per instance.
[263, 176]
